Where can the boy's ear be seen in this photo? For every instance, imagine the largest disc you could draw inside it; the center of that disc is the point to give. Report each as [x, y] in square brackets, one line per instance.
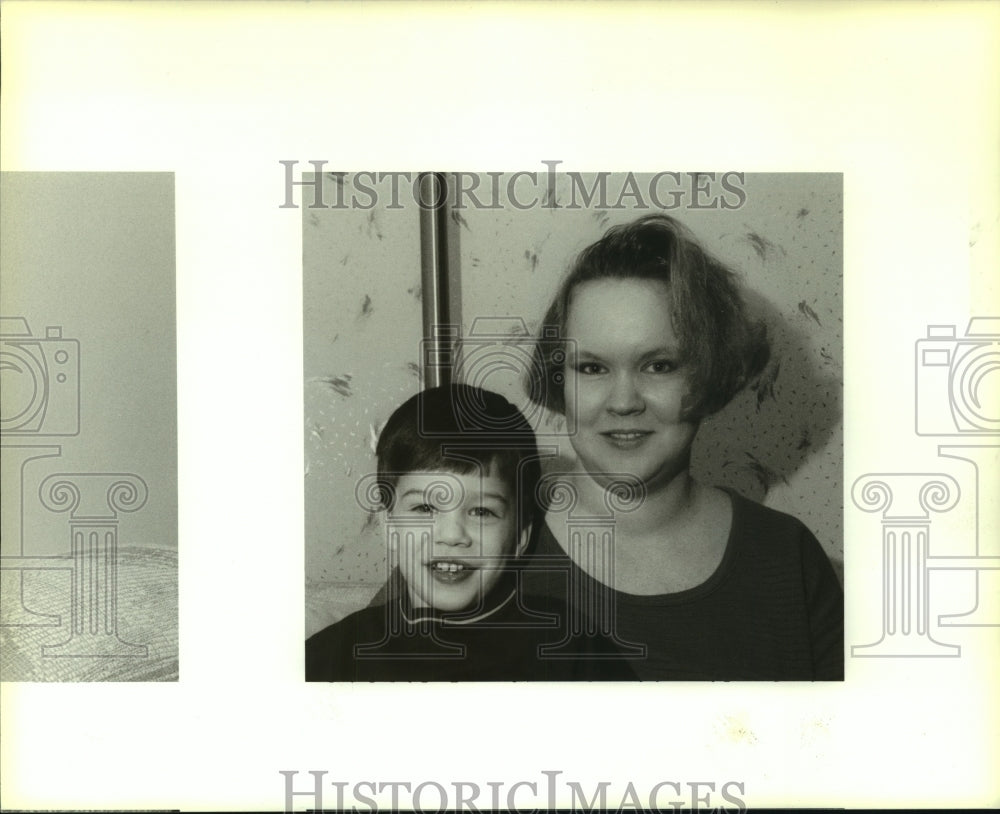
[522, 541]
[383, 518]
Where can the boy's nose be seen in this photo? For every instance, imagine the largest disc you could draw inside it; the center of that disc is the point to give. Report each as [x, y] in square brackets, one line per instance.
[451, 529]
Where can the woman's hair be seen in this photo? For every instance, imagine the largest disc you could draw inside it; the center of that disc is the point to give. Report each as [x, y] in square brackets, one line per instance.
[460, 429]
[721, 348]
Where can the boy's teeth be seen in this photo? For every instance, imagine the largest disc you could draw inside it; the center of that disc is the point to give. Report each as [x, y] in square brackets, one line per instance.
[448, 566]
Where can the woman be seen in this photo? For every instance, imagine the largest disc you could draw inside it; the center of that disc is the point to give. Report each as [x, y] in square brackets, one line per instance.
[700, 582]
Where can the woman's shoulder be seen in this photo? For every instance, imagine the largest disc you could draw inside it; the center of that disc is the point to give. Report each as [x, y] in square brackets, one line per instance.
[772, 535]
[751, 516]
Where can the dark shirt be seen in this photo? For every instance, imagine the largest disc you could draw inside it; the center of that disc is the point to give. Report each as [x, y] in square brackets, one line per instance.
[502, 642]
[772, 610]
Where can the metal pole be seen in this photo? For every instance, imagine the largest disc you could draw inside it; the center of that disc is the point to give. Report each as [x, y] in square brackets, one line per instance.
[437, 359]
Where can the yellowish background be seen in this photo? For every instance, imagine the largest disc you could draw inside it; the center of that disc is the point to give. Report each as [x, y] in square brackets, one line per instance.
[900, 97]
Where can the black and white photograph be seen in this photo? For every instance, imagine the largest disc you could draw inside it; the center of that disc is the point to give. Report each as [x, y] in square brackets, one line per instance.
[499, 406]
[646, 368]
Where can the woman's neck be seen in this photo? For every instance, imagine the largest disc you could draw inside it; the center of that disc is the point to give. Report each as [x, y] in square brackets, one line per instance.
[664, 504]
[673, 538]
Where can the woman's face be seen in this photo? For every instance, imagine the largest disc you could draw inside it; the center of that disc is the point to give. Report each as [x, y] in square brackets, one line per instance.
[624, 387]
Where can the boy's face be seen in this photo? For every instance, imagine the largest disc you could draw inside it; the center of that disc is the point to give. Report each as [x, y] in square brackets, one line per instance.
[463, 528]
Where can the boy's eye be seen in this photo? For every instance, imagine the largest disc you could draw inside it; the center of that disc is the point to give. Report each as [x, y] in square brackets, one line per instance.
[590, 368]
[483, 511]
[422, 508]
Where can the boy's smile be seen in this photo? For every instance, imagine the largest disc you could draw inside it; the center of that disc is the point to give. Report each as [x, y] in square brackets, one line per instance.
[449, 571]
[452, 535]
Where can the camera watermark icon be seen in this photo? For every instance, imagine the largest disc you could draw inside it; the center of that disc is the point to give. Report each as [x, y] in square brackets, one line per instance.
[957, 393]
[40, 398]
[40, 393]
[503, 350]
[958, 380]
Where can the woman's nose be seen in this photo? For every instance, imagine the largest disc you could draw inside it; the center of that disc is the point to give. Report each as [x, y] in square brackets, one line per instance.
[625, 398]
[452, 529]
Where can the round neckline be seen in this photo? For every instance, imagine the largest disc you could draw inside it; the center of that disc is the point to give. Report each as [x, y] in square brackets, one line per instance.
[498, 597]
[704, 588]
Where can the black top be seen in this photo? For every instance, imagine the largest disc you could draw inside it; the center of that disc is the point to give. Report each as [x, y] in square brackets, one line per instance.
[504, 641]
[772, 610]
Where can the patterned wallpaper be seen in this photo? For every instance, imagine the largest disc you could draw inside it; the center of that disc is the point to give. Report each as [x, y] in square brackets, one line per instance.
[780, 442]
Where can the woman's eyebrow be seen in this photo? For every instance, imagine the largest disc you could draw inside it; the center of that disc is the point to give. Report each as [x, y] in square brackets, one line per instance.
[662, 350]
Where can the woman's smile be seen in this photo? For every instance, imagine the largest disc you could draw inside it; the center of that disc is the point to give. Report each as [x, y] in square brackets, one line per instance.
[627, 439]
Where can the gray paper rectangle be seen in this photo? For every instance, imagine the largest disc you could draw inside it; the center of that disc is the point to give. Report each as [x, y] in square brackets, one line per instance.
[89, 427]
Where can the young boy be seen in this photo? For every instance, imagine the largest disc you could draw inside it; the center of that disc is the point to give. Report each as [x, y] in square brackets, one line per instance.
[457, 472]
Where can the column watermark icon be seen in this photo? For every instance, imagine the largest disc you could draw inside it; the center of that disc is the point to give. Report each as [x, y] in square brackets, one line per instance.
[94, 502]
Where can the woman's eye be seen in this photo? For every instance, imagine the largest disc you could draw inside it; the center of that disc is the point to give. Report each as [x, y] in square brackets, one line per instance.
[661, 366]
[589, 368]
[422, 508]
[482, 511]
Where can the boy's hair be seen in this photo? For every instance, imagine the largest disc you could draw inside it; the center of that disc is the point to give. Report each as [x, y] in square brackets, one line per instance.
[461, 429]
[721, 347]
